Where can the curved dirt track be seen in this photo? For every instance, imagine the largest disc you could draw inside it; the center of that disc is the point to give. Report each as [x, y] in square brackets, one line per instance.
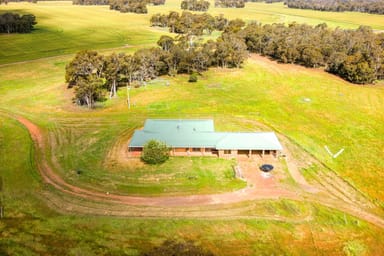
[246, 194]
[169, 206]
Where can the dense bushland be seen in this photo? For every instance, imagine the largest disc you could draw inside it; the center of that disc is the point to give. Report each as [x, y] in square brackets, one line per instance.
[355, 55]
[189, 23]
[135, 6]
[230, 3]
[195, 5]
[90, 2]
[266, 1]
[369, 6]
[14, 23]
[7, 1]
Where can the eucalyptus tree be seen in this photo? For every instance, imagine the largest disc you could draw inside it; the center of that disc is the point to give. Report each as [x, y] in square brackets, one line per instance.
[146, 65]
[113, 72]
[195, 5]
[86, 64]
[231, 51]
[166, 43]
[86, 74]
[14, 23]
[89, 90]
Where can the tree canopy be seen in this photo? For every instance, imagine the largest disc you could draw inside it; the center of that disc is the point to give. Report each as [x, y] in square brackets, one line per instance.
[7, 1]
[155, 152]
[173, 56]
[136, 6]
[355, 55]
[189, 23]
[195, 5]
[230, 3]
[369, 6]
[14, 23]
[90, 2]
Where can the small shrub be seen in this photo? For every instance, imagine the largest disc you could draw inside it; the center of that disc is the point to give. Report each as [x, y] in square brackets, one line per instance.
[155, 152]
[193, 77]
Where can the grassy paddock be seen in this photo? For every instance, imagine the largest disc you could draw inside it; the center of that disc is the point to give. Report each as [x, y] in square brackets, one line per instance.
[339, 115]
[64, 28]
[178, 176]
[30, 228]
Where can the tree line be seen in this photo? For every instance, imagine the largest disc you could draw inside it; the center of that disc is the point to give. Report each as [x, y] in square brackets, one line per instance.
[90, 2]
[240, 3]
[230, 3]
[14, 23]
[195, 5]
[7, 1]
[355, 55]
[189, 23]
[266, 1]
[92, 74]
[135, 6]
[369, 6]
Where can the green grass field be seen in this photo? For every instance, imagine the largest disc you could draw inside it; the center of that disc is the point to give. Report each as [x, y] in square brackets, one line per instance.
[263, 93]
[62, 31]
[31, 228]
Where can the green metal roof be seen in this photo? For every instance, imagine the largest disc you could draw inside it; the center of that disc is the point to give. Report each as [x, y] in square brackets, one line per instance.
[178, 125]
[177, 139]
[249, 141]
[201, 134]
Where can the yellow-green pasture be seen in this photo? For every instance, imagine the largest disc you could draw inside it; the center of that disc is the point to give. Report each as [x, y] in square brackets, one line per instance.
[64, 28]
[80, 138]
[312, 108]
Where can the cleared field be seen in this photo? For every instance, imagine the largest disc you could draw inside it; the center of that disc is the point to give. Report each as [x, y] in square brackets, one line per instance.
[31, 228]
[61, 30]
[268, 93]
[339, 115]
[64, 28]
[310, 107]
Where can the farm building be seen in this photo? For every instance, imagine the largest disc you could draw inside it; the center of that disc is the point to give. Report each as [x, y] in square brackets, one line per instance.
[199, 138]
